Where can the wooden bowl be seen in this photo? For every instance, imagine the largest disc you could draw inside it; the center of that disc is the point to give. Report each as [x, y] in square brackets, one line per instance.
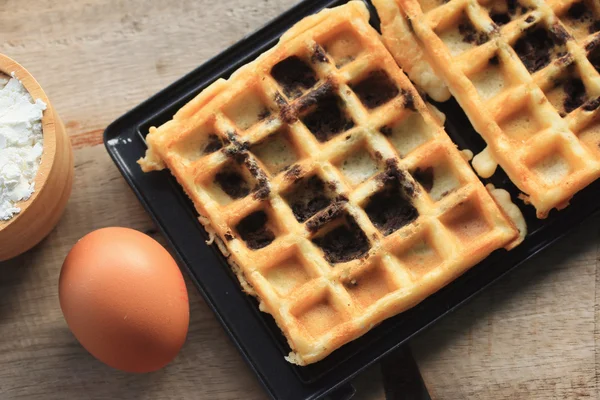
[40, 214]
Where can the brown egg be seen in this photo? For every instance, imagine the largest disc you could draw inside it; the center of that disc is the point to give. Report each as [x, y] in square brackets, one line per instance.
[124, 299]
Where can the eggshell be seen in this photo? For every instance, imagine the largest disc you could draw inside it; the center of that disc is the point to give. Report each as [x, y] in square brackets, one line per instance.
[124, 299]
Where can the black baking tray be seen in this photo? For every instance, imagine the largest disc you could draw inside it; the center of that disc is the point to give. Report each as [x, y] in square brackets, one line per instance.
[255, 333]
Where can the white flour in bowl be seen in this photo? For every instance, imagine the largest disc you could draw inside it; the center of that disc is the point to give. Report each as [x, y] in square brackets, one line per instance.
[21, 144]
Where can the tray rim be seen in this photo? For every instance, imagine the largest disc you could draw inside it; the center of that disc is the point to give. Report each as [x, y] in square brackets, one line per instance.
[185, 82]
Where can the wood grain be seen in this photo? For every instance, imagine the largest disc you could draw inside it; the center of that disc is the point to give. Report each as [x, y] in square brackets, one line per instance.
[532, 336]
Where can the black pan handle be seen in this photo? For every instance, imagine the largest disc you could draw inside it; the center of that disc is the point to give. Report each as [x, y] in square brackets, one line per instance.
[401, 377]
[345, 392]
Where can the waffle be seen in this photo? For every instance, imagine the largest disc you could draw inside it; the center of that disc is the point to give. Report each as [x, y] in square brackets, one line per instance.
[526, 72]
[330, 185]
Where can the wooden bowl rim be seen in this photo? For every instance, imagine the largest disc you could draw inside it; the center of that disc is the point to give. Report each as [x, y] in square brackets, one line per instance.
[9, 66]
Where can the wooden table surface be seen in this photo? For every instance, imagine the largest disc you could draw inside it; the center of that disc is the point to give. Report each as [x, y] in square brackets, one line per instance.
[532, 336]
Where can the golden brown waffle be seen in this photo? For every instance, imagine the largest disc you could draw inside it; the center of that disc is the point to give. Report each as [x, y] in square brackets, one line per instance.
[334, 191]
[526, 72]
